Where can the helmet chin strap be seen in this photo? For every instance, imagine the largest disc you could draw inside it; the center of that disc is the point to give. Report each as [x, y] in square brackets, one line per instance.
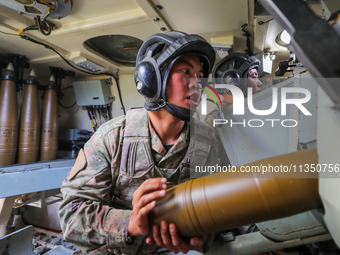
[179, 112]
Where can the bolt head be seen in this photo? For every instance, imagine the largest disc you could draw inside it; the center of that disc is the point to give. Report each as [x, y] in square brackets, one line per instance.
[159, 7]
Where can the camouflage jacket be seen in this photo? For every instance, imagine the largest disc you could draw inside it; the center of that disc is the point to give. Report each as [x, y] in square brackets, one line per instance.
[98, 190]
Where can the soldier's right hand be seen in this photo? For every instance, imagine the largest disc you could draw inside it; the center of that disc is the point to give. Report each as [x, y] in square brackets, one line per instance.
[143, 202]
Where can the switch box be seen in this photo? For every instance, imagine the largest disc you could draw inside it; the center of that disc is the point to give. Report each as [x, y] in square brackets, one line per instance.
[93, 92]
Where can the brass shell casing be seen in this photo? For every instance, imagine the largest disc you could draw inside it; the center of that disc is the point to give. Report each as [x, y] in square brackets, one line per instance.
[8, 122]
[228, 200]
[29, 126]
[50, 124]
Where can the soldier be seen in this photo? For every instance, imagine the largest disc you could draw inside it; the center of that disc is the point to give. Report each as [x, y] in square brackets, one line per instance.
[130, 161]
[236, 69]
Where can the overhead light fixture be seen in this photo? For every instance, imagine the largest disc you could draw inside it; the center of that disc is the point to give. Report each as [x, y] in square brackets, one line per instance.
[89, 65]
[283, 39]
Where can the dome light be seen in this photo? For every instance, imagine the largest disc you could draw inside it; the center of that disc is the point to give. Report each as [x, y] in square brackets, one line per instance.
[283, 38]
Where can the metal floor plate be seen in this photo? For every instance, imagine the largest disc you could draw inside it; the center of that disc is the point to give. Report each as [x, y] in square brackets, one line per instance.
[18, 242]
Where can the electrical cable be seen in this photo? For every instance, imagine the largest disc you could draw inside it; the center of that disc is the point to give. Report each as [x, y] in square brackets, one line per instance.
[99, 115]
[93, 108]
[93, 117]
[68, 87]
[67, 106]
[102, 108]
[109, 108]
[219, 114]
[119, 93]
[32, 27]
[8, 33]
[89, 114]
[248, 51]
[67, 62]
[41, 29]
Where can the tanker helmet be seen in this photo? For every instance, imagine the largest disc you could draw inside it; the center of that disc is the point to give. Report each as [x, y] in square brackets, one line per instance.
[234, 69]
[155, 60]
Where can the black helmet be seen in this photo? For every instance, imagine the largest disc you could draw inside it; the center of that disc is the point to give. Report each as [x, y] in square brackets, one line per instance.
[154, 63]
[234, 69]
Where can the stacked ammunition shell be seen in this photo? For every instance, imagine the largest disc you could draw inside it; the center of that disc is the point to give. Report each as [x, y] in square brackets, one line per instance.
[50, 123]
[29, 123]
[8, 117]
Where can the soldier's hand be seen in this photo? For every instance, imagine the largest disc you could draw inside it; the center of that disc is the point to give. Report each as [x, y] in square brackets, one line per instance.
[168, 238]
[143, 202]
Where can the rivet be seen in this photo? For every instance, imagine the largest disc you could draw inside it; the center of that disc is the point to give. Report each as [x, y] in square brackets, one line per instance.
[159, 7]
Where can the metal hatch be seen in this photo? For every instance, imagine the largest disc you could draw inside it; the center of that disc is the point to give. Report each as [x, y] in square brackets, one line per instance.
[119, 49]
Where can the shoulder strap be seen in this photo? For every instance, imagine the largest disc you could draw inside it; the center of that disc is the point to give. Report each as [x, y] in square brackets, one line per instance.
[137, 121]
[200, 143]
[136, 130]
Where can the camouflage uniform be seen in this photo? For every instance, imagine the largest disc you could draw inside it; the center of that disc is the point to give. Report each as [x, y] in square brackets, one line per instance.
[122, 154]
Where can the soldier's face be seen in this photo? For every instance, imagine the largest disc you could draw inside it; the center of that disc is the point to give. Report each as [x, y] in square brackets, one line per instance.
[182, 87]
[253, 81]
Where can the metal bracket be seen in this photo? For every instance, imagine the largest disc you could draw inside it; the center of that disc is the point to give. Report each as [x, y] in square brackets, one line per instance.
[60, 74]
[20, 62]
[18, 242]
[255, 243]
[314, 41]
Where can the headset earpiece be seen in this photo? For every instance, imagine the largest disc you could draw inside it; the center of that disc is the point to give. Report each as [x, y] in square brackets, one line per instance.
[231, 77]
[233, 69]
[147, 79]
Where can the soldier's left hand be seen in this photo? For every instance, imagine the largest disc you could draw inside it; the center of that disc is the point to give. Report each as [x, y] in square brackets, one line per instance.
[167, 237]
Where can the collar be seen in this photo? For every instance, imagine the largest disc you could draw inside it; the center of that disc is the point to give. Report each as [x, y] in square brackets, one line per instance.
[181, 143]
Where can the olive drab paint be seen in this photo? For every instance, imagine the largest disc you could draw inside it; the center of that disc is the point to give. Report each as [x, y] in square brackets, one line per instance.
[50, 124]
[8, 117]
[227, 200]
[29, 123]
